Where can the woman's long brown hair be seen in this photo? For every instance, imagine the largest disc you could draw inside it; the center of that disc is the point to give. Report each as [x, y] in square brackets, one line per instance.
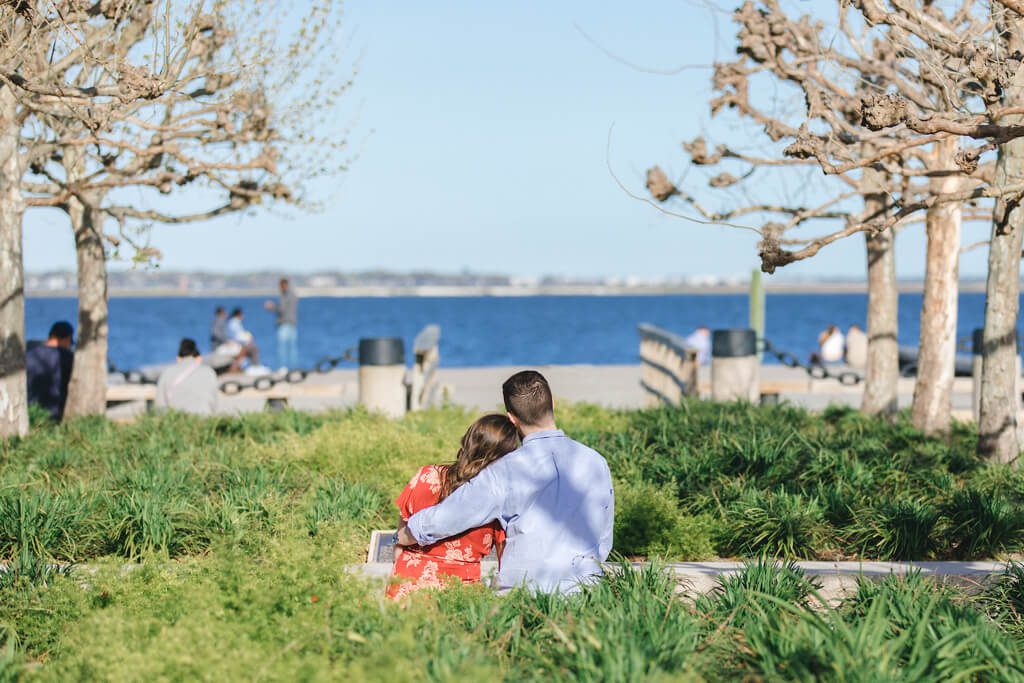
[486, 440]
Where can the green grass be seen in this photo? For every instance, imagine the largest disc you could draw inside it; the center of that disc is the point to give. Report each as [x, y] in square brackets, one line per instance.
[215, 550]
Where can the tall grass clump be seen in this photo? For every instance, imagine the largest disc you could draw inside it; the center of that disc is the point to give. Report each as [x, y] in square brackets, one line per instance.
[335, 500]
[41, 523]
[628, 627]
[737, 598]
[776, 523]
[901, 529]
[900, 628]
[982, 523]
[1003, 599]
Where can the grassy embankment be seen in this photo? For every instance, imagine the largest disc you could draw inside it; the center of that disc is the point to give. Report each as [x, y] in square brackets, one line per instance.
[240, 528]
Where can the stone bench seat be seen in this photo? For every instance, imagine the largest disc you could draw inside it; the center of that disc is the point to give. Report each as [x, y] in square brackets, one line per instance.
[838, 579]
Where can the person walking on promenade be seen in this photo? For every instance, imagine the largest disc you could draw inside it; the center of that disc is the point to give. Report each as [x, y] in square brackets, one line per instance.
[287, 310]
[48, 369]
[552, 496]
[188, 386]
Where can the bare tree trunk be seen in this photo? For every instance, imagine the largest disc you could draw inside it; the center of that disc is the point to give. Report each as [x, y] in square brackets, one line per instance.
[13, 390]
[883, 369]
[87, 392]
[997, 424]
[936, 362]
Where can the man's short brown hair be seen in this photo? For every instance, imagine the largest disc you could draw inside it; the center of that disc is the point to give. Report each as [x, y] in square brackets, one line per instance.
[528, 397]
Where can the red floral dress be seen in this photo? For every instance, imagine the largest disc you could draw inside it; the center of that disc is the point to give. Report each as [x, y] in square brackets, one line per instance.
[458, 556]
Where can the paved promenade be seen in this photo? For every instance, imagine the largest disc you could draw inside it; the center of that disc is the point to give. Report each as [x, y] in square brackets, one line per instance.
[615, 386]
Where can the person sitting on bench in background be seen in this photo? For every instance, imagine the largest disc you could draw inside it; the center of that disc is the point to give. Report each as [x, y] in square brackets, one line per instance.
[48, 369]
[245, 341]
[188, 386]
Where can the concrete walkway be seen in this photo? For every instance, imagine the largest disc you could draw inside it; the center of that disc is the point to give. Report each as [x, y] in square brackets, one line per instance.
[838, 580]
[613, 386]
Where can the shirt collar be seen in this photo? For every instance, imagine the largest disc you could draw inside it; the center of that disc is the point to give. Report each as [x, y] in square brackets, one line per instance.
[546, 434]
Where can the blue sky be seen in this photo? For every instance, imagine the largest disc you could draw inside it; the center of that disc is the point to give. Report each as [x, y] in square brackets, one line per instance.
[483, 144]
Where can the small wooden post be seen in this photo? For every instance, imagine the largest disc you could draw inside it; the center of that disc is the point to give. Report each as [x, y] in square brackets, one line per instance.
[757, 306]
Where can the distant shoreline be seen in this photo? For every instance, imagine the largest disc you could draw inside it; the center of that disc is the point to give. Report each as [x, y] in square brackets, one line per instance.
[972, 286]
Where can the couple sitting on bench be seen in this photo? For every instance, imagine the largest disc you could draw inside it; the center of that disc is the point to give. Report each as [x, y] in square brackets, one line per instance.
[545, 504]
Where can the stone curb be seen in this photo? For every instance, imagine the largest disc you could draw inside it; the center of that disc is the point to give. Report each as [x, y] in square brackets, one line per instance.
[838, 579]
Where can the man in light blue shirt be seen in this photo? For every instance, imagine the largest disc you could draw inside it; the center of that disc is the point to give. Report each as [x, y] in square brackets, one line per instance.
[553, 496]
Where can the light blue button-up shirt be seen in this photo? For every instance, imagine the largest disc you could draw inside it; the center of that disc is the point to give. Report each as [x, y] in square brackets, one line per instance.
[554, 498]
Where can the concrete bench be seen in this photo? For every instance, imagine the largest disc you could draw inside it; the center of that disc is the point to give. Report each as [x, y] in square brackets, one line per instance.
[838, 580]
[382, 548]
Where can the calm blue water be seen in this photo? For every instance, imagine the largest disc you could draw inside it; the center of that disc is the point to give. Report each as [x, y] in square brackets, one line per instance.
[483, 330]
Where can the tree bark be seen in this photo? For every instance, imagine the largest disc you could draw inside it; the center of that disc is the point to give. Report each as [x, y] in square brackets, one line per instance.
[882, 372]
[87, 392]
[13, 389]
[997, 423]
[936, 361]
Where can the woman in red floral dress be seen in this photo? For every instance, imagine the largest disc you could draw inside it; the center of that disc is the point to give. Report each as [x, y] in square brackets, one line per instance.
[487, 439]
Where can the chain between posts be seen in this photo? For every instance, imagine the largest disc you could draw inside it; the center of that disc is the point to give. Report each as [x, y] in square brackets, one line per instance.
[816, 371]
[263, 383]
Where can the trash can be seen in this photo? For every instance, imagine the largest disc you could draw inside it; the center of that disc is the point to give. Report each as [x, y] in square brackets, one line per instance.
[382, 375]
[735, 370]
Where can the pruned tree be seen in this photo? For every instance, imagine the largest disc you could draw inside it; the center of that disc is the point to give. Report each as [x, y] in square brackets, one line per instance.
[254, 119]
[843, 73]
[975, 51]
[792, 55]
[43, 47]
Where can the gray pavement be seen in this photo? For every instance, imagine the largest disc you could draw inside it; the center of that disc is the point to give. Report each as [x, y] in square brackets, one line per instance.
[614, 386]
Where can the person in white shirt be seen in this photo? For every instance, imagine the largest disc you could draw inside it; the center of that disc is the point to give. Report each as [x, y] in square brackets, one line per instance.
[243, 337]
[831, 345]
[700, 341]
[188, 386]
[856, 347]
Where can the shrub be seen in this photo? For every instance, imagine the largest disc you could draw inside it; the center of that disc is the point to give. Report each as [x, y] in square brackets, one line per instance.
[982, 524]
[901, 529]
[648, 522]
[775, 523]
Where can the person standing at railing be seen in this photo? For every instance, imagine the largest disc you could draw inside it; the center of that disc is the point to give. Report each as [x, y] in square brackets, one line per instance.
[287, 310]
